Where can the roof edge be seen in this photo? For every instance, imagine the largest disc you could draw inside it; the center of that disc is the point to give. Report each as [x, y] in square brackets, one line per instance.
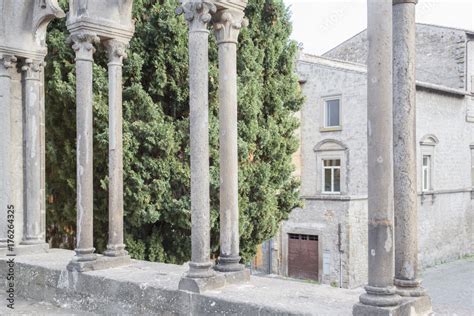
[361, 68]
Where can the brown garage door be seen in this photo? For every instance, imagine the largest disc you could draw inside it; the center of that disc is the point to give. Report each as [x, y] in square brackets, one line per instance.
[303, 256]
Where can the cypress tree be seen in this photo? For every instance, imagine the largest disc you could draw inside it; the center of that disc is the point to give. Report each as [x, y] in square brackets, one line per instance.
[156, 132]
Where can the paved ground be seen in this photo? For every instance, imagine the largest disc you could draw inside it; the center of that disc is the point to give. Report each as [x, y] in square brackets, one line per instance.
[451, 287]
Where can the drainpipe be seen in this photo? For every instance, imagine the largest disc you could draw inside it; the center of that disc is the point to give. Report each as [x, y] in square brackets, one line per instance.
[270, 257]
[339, 245]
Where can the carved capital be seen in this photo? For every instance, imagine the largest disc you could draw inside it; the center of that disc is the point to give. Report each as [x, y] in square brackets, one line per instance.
[32, 69]
[197, 13]
[227, 24]
[83, 45]
[7, 61]
[116, 51]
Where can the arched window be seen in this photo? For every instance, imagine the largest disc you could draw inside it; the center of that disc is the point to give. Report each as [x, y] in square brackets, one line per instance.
[331, 162]
[427, 143]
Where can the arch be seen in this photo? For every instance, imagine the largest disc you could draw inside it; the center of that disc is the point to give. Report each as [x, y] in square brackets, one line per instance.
[429, 140]
[329, 145]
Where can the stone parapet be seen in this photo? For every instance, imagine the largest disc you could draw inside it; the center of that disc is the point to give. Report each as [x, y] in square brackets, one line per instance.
[148, 288]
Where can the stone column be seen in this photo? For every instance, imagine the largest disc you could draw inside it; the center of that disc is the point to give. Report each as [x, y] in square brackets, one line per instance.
[380, 289]
[84, 48]
[6, 63]
[197, 14]
[404, 148]
[116, 52]
[227, 24]
[32, 100]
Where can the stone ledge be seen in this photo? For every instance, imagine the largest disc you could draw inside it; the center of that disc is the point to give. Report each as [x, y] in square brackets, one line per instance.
[146, 288]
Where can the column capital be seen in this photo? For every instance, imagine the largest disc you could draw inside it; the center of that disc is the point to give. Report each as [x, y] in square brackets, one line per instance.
[116, 51]
[197, 13]
[404, 1]
[83, 45]
[7, 61]
[32, 69]
[227, 24]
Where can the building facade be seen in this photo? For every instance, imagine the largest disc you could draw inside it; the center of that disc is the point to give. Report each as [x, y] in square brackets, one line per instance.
[326, 240]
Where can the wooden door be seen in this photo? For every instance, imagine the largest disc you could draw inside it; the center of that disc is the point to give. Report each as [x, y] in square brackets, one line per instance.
[303, 256]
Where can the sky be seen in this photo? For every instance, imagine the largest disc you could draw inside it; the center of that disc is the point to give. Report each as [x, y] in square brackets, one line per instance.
[323, 24]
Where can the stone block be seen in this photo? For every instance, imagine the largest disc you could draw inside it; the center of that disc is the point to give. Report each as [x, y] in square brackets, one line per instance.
[101, 263]
[411, 306]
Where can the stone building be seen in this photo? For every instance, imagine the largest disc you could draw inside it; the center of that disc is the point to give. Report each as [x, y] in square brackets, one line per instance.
[326, 240]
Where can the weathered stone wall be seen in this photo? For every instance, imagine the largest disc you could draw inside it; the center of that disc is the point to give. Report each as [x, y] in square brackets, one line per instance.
[440, 54]
[445, 223]
[446, 217]
[358, 243]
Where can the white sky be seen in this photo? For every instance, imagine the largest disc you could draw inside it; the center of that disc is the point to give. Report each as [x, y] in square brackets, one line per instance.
[323, 24]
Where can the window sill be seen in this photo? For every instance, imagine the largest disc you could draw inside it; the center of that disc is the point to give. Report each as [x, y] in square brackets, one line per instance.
[328, 196]
[331, 129]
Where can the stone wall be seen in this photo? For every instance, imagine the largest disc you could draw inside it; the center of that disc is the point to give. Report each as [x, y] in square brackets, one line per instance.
[446, 217]
[445, 214]
[440, 54]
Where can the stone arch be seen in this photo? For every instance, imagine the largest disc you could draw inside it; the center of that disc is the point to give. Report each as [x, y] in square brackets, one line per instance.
[429, 140]
[330, 145]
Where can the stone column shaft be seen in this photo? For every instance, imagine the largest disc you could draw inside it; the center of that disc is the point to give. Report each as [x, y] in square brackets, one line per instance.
[227, 24]
[404, 147]
[32, 94]
[115, 246]
[6, 198]
[380, 290]
[197, 15]
[84, 48]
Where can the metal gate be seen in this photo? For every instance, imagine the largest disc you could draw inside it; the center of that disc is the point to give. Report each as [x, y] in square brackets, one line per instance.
[303, 256]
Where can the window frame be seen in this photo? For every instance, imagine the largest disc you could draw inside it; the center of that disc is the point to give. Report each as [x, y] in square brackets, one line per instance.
[331, 149]
[428, 170]
[324, 125]
[333, 171]
[428, 144]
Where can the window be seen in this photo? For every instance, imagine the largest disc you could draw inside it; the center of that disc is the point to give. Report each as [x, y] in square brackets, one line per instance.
[331, 176]
[472, 164]
[428, 145]
[426, 173]
[332, 113]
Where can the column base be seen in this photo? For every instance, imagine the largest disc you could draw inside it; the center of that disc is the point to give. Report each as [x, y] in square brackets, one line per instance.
[409, 288]
[22, 250]
[115, 251]
[200, 270]
[32, 241]
[215, 281]
[100, 262]
[419, 306]
[199, 285]
[380, 296]
[229, 264]
[236, 276]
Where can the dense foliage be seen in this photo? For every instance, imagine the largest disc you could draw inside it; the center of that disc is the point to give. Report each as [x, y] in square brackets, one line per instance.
[156, 132]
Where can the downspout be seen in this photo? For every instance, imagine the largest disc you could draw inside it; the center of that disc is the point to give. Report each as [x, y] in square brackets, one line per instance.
[270, 257]
[339, 245]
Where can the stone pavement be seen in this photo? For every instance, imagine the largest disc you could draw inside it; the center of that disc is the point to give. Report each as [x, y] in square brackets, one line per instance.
[451, 287]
